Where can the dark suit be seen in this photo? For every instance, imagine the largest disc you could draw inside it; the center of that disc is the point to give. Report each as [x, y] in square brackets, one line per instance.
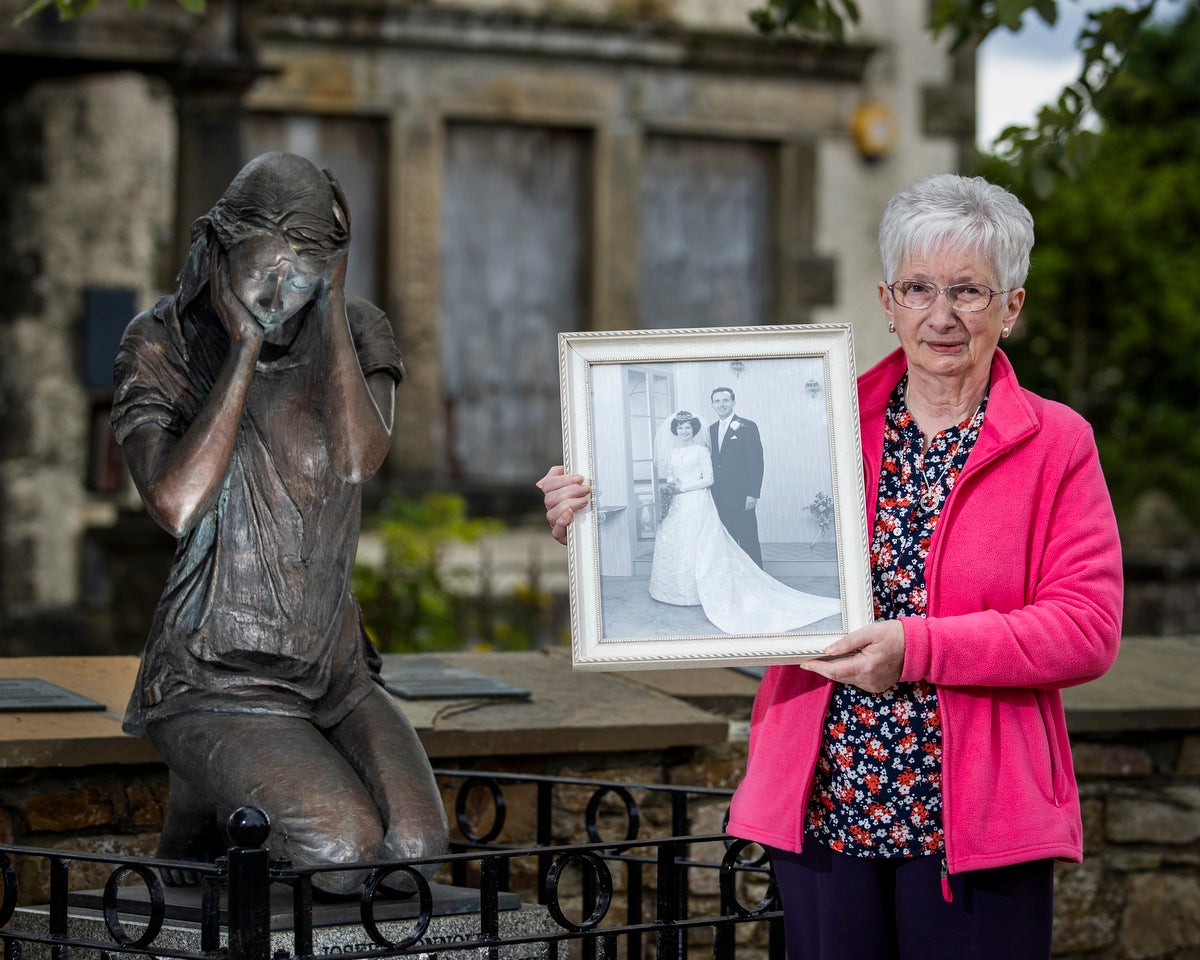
[738, 474]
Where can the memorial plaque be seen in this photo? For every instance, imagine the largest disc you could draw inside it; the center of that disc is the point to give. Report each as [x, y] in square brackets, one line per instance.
[31, 694]
[427, 678]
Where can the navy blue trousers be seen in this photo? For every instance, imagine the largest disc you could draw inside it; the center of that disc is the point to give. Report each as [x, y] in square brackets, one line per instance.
[837, 907]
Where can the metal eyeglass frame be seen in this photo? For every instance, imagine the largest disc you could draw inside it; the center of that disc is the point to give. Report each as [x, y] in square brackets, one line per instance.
[946, 292]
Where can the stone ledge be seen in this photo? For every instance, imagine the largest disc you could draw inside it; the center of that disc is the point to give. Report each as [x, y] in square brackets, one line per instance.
[559, 35]
[71, 739]
[566, 712]
[1152, 686]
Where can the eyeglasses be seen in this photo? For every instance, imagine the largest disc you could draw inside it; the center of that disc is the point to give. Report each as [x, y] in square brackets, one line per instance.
[966, 297]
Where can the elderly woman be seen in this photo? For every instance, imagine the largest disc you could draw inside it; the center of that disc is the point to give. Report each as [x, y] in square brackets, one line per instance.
[251, 405]
[915, 783]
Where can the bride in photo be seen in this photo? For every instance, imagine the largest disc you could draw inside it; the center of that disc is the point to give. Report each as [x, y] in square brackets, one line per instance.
[696, 561]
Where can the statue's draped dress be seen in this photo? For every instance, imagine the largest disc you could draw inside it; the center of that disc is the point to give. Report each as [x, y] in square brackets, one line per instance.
[257, 615]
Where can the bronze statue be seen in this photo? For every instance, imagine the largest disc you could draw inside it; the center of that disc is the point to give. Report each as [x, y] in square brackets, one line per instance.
[251, 405]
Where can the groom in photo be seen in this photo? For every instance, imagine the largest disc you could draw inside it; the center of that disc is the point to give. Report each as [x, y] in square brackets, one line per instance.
[737, 457]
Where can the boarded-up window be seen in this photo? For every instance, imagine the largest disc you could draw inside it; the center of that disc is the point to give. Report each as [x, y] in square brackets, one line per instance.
[513, 255]
[706, 251]
[353, 150]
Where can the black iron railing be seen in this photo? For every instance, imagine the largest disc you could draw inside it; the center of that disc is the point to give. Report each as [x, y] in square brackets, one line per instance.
[658, 887]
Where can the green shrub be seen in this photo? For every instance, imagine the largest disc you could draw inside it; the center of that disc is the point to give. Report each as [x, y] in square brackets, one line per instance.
[413, 602]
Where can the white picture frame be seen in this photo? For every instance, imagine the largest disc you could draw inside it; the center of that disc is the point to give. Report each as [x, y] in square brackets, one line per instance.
[796, 384]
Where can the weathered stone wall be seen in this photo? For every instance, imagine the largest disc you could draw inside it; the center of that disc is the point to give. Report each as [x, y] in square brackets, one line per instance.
[115, 811]
[92, 208]
[1137, 893]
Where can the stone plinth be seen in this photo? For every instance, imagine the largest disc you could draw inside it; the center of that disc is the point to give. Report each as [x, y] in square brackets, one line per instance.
[337, 927]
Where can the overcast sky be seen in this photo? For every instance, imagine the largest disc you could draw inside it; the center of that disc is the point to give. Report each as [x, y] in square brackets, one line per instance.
[1018, 73]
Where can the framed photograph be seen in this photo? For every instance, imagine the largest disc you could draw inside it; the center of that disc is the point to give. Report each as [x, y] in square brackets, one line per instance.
[727, 524]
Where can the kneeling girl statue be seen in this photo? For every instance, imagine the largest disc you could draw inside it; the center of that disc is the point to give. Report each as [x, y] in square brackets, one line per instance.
[251, 405]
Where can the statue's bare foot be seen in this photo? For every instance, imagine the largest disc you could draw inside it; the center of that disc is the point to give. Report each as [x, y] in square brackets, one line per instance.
[190, 832]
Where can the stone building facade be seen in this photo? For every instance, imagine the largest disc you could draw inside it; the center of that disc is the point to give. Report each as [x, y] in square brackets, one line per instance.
[514, 170]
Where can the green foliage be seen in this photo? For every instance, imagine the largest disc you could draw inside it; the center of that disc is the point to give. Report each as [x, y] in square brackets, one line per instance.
[964, 19]
[1104, 42]
[407, 604]
[826, 18]
[1111, 173]
[70, 9]
[1110, 324]
[1057, 143]
[412, 602]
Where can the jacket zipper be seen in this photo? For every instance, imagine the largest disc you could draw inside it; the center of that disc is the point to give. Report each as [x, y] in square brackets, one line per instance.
[947, 893]
[934, 555]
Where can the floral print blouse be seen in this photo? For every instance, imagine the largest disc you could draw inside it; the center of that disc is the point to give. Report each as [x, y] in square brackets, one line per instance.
[877, 791]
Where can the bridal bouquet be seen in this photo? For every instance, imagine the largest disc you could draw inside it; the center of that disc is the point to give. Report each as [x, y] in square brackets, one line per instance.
[666, 493]
[822, 510]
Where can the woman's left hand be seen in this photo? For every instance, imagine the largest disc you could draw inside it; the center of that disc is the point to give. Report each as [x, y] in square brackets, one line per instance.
[334, 281]
[870, 658]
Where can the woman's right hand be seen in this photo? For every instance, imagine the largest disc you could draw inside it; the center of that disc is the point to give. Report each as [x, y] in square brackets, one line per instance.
[237, 320]
[562, 494]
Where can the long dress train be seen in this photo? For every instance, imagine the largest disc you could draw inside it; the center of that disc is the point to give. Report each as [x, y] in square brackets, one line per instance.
[697, 562]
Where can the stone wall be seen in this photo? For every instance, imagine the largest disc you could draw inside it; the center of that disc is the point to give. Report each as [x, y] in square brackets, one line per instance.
[1137, 893]
[1162, 594]
[90, 210]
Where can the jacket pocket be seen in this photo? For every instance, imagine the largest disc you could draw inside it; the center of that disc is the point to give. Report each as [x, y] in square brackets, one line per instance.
[1050, 732]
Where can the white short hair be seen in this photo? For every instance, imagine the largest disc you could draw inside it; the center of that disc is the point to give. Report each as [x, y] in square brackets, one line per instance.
[966, 212]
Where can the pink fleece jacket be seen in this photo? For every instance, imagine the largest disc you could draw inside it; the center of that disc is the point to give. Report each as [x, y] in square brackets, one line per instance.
[1025, 589]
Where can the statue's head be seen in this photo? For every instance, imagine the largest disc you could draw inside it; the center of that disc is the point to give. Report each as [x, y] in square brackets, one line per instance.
[284, 195]
[278, 222]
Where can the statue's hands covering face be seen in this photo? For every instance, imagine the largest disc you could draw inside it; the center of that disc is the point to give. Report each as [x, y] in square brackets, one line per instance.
[236, 317]
[334, 280]
[270, 279]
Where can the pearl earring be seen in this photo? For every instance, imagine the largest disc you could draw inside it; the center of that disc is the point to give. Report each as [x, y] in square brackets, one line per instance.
[1004, 332]
[892, 326]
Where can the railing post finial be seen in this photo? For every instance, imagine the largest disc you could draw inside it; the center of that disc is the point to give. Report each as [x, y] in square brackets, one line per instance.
[249, 885]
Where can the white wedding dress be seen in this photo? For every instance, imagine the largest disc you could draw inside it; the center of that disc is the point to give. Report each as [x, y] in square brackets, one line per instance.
[697, 562]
